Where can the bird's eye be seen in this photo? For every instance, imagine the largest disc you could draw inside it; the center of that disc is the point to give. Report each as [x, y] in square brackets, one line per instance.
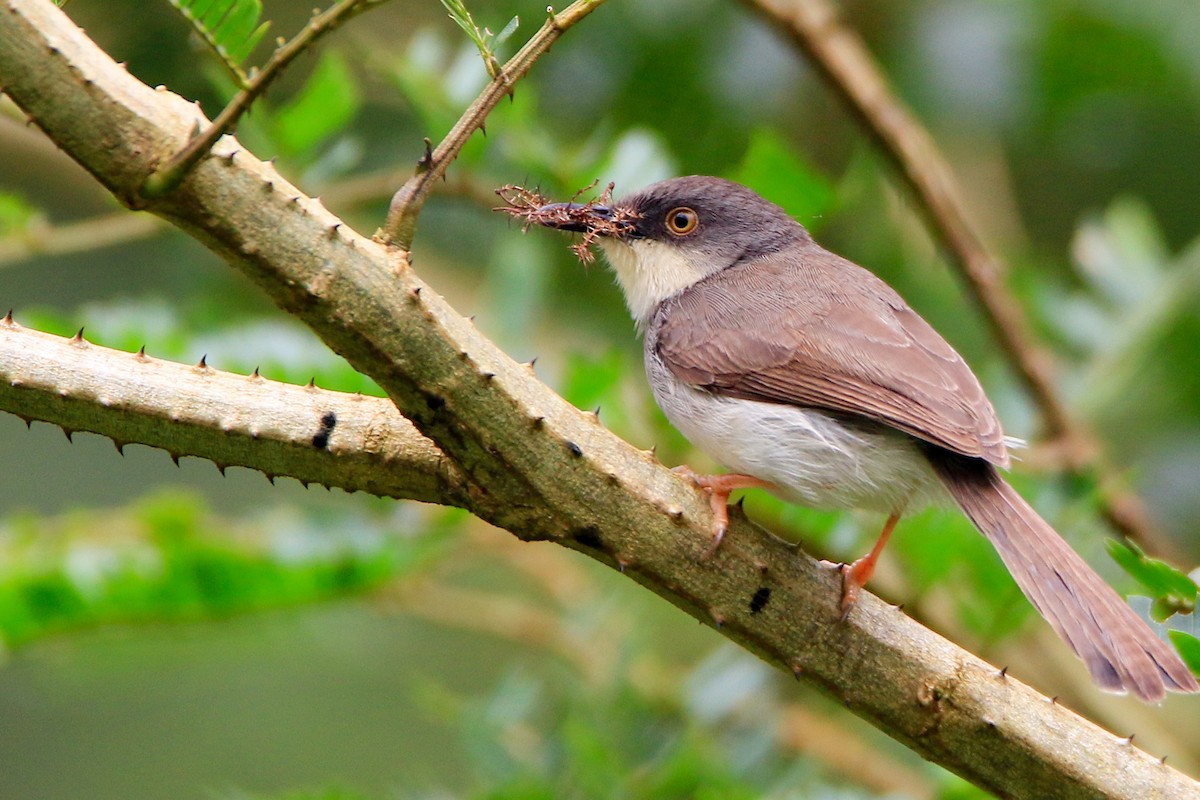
[682, 221]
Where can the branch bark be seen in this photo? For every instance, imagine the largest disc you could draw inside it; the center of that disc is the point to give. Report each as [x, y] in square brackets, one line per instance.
[545, 470]
[351, 442]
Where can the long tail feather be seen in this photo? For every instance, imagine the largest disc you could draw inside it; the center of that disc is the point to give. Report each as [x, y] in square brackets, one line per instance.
[1119, 649]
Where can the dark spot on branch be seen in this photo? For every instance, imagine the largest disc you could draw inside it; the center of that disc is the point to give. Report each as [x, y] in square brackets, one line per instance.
[760, 599]
[435, 402]
[589, 537]
[320, 440]
[575, 449]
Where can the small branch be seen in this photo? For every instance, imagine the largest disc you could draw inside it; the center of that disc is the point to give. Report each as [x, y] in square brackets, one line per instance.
[121, 227]
[407, 204]
[352, 442]
[168, 175]
[93, 233]
[848, 67]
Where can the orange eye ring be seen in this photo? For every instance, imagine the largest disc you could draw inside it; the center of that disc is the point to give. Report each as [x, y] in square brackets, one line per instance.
[682, 221]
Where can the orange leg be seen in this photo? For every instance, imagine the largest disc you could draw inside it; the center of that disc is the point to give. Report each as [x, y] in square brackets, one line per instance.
[856, 575]
[718, 488]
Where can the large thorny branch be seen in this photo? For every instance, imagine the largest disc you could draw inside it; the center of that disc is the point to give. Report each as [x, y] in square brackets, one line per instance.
[492, 438]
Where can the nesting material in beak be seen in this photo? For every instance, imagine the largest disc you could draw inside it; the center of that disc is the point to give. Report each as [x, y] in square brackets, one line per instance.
[595, 218]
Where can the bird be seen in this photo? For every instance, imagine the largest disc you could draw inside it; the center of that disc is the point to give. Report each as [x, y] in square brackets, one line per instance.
[805, 374]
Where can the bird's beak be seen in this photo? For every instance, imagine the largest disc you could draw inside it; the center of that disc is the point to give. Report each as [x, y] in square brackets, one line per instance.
[576, 217]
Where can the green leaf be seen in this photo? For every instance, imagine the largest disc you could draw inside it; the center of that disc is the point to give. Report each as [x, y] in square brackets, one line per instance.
[1189, 649]
[1173, 590]
[323, 108]
[231, 28]
[772, 168]
[481, 37]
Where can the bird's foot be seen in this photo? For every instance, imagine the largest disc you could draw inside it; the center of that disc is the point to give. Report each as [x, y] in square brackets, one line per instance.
[718, 488]
[856, 574]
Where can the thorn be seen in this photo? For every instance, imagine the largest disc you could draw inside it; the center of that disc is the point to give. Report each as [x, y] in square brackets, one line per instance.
[899, 606]
[653, 452]
[1163, 761]
[141, 353]
[538, 422]
[1004, 671]
[333, 230]
[203, 363]
[676, 514]
[487, 376]
[1054, 700]
[1129, 738]
[175, 458]
[221, 469]
[426, 160]
[120, 447]
[312, 383]
[613, 479]
[740, 505]
[8, 320]
[596, 414]
[70, 434]
[255, 374]
[529, 365]
[78, 337]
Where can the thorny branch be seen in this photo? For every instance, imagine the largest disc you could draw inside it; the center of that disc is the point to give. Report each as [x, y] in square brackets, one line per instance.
[406, 205]
[334, 439]
[841, 56]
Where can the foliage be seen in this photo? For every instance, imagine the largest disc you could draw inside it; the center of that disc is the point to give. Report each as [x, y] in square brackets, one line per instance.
[232, 28]
[482, 38]
[168, 559]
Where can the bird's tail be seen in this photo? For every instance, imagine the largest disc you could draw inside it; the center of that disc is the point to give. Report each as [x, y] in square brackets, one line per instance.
[1119, 649]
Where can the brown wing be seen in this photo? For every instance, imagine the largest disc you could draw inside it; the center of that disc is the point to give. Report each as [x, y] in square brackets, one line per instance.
[809, 328]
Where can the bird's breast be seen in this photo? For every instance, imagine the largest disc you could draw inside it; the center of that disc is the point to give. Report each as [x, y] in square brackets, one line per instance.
[817, 458]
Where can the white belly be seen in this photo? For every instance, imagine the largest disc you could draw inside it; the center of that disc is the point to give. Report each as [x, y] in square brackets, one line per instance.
[816, 459]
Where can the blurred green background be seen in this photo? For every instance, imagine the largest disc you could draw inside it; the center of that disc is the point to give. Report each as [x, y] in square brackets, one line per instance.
[174, 633]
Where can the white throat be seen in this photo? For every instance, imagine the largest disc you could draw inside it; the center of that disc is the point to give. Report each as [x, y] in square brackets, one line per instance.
[648, 272]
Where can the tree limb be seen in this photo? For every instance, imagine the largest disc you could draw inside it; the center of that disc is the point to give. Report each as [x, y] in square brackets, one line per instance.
[406, 205]
[545, 470]
[352, 442]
